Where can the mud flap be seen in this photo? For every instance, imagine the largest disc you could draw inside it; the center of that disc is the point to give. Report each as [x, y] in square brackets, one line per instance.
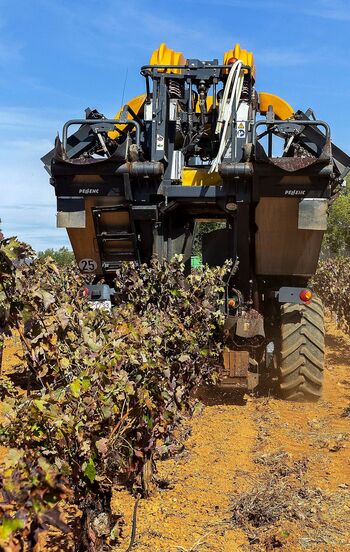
[239, 370]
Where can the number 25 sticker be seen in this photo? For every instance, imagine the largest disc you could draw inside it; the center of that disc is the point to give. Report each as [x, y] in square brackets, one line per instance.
[87, 265]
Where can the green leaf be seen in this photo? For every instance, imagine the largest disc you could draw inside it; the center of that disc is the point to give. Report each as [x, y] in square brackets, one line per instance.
[8, 527]
[129, 388]
[75, 387]
[89, 470]
[39, 404]
[65, 363]
[86, 383]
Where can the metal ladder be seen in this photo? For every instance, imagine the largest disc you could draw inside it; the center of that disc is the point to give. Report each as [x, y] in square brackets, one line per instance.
[115, 245]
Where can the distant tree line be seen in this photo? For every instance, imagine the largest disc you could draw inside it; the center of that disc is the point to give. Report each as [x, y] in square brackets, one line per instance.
[337, 237]
[62, 256]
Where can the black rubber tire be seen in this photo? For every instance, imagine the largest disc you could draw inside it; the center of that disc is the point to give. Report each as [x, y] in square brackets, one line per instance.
[300, 359]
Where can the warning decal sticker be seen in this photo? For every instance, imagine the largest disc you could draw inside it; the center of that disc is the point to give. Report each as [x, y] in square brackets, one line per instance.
[241, 129]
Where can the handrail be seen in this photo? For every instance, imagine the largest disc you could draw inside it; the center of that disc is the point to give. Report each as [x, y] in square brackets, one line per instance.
[299, 122]
[96, 122]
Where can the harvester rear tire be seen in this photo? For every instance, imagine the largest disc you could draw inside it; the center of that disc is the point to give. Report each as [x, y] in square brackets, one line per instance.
[300, 359]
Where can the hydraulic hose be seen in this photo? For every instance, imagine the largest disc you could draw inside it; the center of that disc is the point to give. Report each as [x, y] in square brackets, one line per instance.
[232, 94]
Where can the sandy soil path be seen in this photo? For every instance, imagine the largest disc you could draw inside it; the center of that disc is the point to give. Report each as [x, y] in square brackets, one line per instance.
[222, 460]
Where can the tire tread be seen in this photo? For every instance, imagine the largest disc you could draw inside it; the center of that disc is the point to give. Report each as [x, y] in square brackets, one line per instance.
[301, 351]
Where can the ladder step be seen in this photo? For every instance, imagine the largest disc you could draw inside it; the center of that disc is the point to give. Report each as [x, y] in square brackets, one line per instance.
[114, 254]
[111, 209]
[116, 236]
[112, 265]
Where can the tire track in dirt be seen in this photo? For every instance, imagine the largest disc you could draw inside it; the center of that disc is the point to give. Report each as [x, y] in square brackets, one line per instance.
[191, 515]
[194, 512]
[318, 433]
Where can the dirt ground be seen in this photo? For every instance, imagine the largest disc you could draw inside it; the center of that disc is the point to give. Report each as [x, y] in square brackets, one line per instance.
[224, 457]
[235, 445]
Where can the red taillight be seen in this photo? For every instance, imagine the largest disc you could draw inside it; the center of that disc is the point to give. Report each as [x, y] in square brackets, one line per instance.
[305, 295]
[85, 292]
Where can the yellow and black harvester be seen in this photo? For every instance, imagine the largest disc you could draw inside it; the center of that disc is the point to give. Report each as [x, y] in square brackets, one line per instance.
[202, 144]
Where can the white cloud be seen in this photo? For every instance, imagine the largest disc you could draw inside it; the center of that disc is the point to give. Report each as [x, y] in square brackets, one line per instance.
[34, 224]
[22, 175]
[23, 121]
[327, 9]
[122, 45]
[284, 58]
[337, 10]
[28, 203]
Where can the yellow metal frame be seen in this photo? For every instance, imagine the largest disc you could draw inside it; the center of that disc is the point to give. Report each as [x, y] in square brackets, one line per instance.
[281, 108]
[166, 56]
[199, 177]
[239, 53]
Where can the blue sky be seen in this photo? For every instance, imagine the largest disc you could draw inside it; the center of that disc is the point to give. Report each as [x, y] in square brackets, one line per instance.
[58, 57]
